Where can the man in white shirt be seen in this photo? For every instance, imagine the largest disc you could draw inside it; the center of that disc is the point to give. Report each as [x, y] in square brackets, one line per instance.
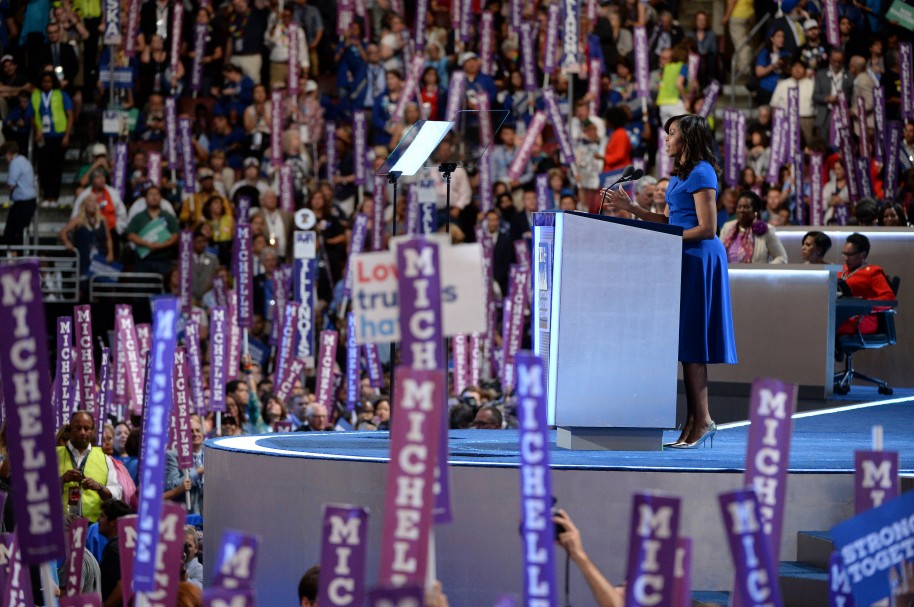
[277, 224]
[87, 475]
[798, 79]
[278, 39]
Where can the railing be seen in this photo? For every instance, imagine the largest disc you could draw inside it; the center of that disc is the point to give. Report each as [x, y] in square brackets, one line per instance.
[58, 265]
[734, 72]
[125, 285]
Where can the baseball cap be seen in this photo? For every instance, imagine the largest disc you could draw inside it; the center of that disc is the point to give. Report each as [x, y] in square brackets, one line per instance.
[809, 24]
[98, 149]
[467, 56]
[6, 58]
[205, 173]
[310, 86]
[250, 161]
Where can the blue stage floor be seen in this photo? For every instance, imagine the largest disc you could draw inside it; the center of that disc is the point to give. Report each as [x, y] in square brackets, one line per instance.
[823, 441]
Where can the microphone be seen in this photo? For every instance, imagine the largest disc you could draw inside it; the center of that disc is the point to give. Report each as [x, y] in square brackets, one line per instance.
[629, 174]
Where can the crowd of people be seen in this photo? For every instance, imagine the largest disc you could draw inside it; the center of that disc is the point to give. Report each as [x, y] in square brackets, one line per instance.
[62, 82]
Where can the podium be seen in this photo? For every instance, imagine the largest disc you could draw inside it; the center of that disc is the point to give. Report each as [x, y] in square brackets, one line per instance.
[606, 323]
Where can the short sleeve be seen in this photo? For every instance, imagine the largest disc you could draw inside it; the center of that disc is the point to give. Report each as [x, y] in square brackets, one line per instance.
[702, 177]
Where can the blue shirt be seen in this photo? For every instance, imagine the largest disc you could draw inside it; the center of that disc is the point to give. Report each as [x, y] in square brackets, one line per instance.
[21, 179]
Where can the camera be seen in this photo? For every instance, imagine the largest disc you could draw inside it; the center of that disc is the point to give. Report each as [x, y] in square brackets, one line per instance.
[559, 528]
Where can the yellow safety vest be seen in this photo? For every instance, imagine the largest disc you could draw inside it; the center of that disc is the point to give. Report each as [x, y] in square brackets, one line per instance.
[96, 468]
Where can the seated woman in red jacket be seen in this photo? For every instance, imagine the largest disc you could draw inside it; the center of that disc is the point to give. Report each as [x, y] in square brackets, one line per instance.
[864, 280]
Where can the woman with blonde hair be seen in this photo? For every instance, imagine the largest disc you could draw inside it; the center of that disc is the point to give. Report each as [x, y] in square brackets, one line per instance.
[87, 234]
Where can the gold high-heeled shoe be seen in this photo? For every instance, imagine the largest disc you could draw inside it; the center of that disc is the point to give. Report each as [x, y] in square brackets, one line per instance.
[687, 427]
[708, 436]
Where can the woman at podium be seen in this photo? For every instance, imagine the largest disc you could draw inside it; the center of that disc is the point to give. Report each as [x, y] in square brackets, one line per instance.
[705, 317]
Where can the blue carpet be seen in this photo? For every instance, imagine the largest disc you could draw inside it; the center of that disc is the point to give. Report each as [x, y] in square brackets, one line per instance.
[821, 443]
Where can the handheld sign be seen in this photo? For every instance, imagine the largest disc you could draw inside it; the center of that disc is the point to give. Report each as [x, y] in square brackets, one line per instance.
[875, 479]
[536, 484]
[652, 551]
[85, 367]
[344, 548]
[237, 560]
[155, 436]
[74, 563]
[29, 417]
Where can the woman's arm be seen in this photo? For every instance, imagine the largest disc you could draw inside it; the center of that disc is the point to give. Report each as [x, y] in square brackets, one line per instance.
[618, 199]
[64, 234]
[604, 593]
[706, 210]
[776, 250]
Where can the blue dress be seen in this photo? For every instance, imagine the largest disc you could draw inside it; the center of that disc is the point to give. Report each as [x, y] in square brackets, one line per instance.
[705, 316]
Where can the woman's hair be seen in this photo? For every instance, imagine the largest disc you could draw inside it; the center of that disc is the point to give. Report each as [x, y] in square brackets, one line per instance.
[753, 198]
[860, 241]
[697, 143]
[83, 218]
[616, 117]
[820, 239]
[132, 444]
[899, 210]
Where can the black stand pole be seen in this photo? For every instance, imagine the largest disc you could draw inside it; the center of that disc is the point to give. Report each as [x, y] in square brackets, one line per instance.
[393, 177]
[446, 169]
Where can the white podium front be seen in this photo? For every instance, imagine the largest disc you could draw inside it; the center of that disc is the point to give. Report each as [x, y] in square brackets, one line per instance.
[606, 323]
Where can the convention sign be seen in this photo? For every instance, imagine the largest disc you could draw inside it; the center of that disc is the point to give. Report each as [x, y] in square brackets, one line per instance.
[180, 419]
[344, 549]
[236, 563]
[76, 544]
[85, 366]
[27, 392]
[217, 356]
[839, 584]
[875, 479]
[756, 570]
[326, 359]
[652, 551]
[65, 393]
[874, 544]
[376, 301]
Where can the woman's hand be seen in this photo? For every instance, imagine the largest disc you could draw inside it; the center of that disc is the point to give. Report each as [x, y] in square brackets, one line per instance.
[570, 539]
[619, 200]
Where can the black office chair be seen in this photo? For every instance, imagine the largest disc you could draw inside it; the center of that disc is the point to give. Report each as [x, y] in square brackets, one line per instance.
[848, 345]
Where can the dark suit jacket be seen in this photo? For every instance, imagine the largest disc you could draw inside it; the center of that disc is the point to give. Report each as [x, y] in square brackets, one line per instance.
[148, 20]
[68, 61]
[822, 89]
[520, 225]
[502, 257]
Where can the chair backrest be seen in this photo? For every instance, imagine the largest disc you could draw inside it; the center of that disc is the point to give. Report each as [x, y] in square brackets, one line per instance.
[887, 317]
[894, 282]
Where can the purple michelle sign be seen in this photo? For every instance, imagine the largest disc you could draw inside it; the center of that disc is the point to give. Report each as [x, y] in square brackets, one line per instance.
[15, 582]
[771, 408]
[373, 362]
[456, 94]
[512, 330]
[558, 123]
[892, 148]
[120, 168]
[276, 129]
[422, 337]
[793, 122]
[816, 208]
[325, 361]
[459, 356]
[526, 147]
[236, 562]
[65, 392]
[182, 438]
[906, 71]
[875, 479]
[486, 42]
[528, 56]
[832, 33]
[756, 572]
[187, 155]
[82, 600]
[185, 265]
[778, 144]
[642, 66]
[839, 584]
[76, 543]
[85, 365]
[155, 437]
[104, 394]
[861, 128]
[30, 419]
[475, 356]
[554, 15]
[652, 551]
[196, 73]
[732, 145]
[411, 475]
[879, 122]
[228, 597]
[344, 548]
[356, 246]
[353, 372]
[171, 133]
[129, 348]
[291, 371]
[218, 329]
[537, 528]
[192, 344]
[360, 138]
[177, 24]
[682, 592]
[712, 92]
[244, 276]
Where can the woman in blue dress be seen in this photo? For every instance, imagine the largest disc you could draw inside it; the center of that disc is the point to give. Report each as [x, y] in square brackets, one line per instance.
[705, 318]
